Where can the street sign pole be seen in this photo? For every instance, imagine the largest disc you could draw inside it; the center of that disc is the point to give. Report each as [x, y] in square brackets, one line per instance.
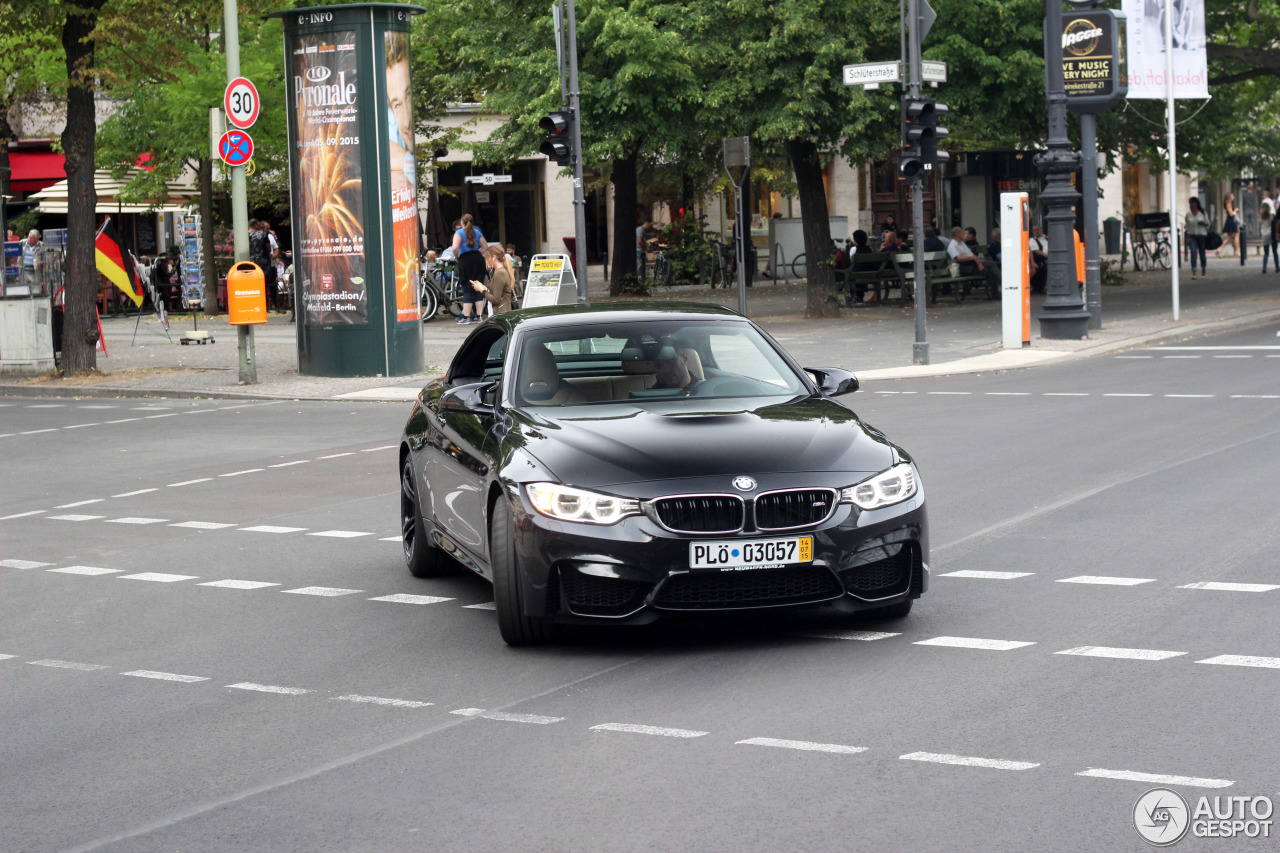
[239, 208]
[579, 199]
[920, 349]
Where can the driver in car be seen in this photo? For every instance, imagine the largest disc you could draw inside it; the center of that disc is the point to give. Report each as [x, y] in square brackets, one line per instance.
[674, 372]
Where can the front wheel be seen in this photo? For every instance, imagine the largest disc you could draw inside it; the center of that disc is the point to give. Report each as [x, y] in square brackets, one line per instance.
[798, 267]
[516, 628]
[1141, 258]
[661, 272]
[429, 303]
[423, 559]
[1162, 255]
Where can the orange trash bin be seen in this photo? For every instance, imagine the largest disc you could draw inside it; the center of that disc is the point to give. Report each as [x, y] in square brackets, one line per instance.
[246, 294]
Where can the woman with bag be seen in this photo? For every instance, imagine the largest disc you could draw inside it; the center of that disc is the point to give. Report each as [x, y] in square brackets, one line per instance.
[1197, 231]
[1231, 227]
[502, 284]
[468, 243]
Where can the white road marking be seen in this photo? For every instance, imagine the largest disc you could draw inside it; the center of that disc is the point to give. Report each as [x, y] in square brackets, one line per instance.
[1126, 395]
[1243, 660]
[378, 700]
[267, 528]
[1156, 778]
[951, 393]
[1221, 587]
[1106, 581]
[165, 676]
[269, 688]
[998, 576]
[22, 514]
[1135, 356]
[1189, 396]
[23, 564]
[80, 503]
[131, 494]
[1179, 356]
[968, 761]
[805, 745]
[321, 590]
[287, 464]
[1256, 347]
[488, 605]
[1008, 393]
[233, 584]
[1257, 396]
[646, 730]
[865, 636]
[47, 406]
[1233, 356]
[1126, 654]
[383, 447]
[158, 577]
[38, 431]
[974, 643]
[74, 517]
[390, 539]
[122, 421]
[337, 455]
[1066, 394]
[405, 598]
[7, 657]
[170, 415]
[136, 520]
[190, 482]
[97, 407]
[340, 534]
[66, 664]
[245, 471]
[86, 570]
[202, 525]
[82, 426]
[504, 717]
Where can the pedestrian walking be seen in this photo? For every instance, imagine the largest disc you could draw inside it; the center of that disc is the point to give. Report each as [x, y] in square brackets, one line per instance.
[468, 244]
[1266, 216]
[1197, 231]
[32, 262]
[1230, 226]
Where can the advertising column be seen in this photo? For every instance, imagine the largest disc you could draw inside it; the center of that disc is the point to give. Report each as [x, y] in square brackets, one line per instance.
[351, 169]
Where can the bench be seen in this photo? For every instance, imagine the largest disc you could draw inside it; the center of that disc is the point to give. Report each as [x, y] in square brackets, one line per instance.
[869, 271]
[938, 269]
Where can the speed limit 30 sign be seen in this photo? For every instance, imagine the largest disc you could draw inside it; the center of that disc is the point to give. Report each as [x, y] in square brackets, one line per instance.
[241, 103]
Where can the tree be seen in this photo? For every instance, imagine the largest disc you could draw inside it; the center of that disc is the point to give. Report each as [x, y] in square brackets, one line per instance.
[29, 55]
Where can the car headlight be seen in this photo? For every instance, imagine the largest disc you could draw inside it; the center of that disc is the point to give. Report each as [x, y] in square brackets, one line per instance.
[569, 504]
[884, 489]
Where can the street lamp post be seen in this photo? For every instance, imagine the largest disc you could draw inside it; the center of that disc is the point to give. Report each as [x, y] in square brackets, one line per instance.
[1063, 315]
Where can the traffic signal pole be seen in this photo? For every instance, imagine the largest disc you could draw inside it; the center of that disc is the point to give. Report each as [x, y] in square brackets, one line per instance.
[579, 196]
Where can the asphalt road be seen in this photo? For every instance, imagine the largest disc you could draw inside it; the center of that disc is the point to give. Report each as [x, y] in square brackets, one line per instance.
[269, 677]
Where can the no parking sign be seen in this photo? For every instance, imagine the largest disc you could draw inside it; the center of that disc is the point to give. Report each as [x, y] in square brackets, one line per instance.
[235, 148]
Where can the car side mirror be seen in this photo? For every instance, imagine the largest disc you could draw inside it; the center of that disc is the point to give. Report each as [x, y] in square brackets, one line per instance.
[474, 399]
[833, 381]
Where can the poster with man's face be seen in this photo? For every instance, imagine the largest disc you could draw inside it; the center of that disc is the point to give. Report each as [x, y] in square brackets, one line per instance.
[330, 253]
[404, 196]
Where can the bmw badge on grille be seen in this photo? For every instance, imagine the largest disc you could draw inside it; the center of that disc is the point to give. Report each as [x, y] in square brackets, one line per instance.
[744, 483]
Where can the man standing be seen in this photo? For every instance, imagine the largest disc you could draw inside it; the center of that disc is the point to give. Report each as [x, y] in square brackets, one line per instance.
[640, 247]
[1266, 216]
[1038, 247]
[32, 263]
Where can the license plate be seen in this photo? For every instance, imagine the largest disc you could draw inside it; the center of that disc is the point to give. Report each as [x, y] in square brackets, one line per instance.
[751, 555]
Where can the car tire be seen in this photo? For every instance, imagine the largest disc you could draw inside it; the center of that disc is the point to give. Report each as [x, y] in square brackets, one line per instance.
[423, 559]
[516, 628]
[897, 611]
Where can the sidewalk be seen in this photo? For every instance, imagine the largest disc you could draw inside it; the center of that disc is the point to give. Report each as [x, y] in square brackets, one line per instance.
[874, 341]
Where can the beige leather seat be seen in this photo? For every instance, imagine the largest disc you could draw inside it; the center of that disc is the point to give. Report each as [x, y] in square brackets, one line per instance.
[540, 382]
[694, 363]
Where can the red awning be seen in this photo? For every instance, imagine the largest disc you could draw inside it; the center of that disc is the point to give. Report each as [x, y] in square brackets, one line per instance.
[35, 170]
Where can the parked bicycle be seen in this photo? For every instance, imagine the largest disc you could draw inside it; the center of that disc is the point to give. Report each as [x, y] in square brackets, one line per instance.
[439, 287]
[1147, 255]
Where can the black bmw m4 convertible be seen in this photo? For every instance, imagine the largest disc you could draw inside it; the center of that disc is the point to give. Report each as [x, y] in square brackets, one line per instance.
[614, 464]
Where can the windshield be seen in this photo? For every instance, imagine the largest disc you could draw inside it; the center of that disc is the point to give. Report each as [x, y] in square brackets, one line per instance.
[650, 360]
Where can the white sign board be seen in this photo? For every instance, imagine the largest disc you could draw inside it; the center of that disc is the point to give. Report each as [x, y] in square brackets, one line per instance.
[241, 102]
[1146, 60]
[872, 73]
[550, 282]
[933, 72]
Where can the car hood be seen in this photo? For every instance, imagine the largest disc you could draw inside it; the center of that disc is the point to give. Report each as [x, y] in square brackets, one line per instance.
[604, 445]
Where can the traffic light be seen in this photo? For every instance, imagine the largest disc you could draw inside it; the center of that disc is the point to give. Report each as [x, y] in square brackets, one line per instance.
[558, 145]
[920, 135]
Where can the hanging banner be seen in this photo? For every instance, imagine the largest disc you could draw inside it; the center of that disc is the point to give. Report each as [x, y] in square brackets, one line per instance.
[1147, 55]
[329, 257]
[404, 194]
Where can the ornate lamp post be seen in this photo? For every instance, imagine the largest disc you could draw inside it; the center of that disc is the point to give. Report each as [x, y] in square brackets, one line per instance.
[1063, 315]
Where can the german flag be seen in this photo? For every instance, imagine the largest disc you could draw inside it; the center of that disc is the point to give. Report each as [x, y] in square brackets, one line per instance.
[112, 263]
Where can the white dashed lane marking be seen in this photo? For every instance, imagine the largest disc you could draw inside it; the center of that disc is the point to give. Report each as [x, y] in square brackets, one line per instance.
[1231, 587]
[267, 528]
[999, 576]
[336, 455]
[803, 745]
[864, 636]
[202, 525]
[138, 492]
[234, 584]
[165, 676]
[190, 482]
[504, 717]
[378, 700]
[1126, 395]
[67, 664]
[1156, 778]
[158, 577]
[327, 591]
[1065, 394]
[1107, 581]
[136, 520]
[1243, 660]
[974, 643]
[74, 517]
[404, 598]
[23, 514]
[632, 728]
[340, 534]
[23, 564]
[269, 688]
[488, 605]
[80, 503]
[245, 471]
[85, 570]
[287, 464]
[968, 761]
[1124, 654]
